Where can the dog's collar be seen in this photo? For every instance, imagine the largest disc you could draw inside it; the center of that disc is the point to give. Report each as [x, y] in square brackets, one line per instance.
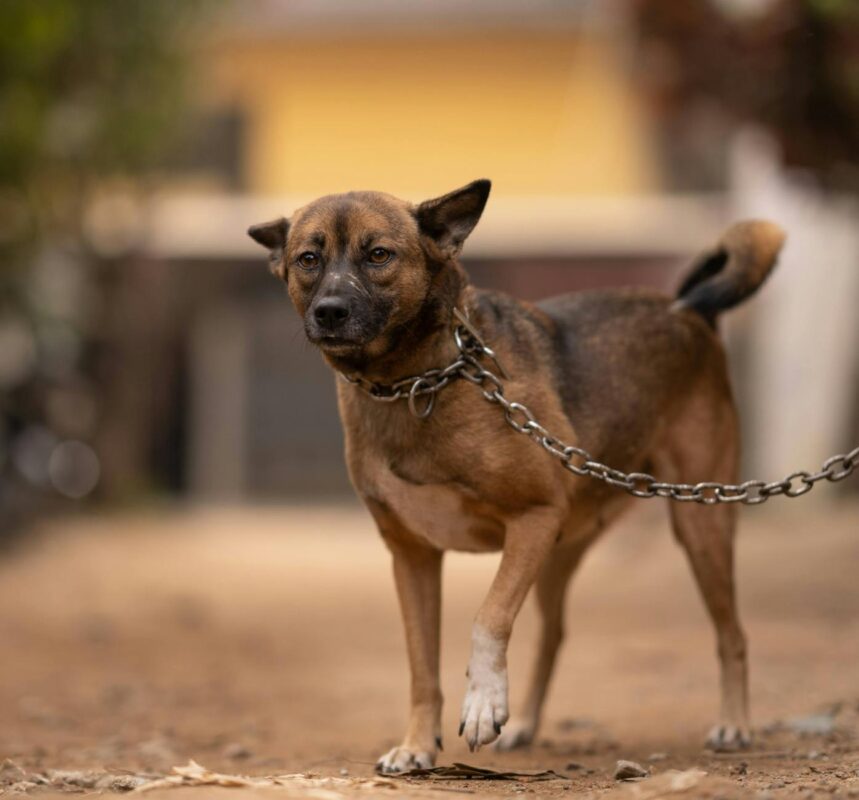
[470, 346]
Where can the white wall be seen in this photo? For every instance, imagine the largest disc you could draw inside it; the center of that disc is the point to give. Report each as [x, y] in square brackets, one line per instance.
[803, 350]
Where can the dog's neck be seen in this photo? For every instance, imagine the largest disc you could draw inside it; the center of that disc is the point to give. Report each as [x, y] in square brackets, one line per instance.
[425, 342]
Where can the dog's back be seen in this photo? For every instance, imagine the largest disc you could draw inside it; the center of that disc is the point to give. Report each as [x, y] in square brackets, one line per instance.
[628, 359]
[624, 363]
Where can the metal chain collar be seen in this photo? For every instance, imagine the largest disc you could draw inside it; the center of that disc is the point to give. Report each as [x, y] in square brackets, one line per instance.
[576, 459]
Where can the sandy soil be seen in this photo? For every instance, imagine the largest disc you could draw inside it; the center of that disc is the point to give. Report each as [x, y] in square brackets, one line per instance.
[265, 641]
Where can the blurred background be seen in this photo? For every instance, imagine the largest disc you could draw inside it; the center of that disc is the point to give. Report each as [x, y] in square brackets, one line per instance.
[146, 352]
[191, 575]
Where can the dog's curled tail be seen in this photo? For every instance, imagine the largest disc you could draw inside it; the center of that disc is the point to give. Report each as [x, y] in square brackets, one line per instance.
[723, 277]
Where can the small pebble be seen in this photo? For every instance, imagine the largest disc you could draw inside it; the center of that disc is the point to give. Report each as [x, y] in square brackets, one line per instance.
[629, 771]
[575, 723]
[343, 771]
[236, 752]
[121, 783]
[657, 757]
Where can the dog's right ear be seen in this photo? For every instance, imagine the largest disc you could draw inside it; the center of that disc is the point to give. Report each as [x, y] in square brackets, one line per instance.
[272, 235]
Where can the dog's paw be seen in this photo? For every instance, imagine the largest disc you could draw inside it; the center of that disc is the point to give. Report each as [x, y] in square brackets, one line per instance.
[484, 710]
[517, 733]
[403, 759]
[728, 738]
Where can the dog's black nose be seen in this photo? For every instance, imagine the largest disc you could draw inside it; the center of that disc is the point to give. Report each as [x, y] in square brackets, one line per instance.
[331, 312]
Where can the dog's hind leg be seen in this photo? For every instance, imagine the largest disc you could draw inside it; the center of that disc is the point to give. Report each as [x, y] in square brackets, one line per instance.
[550, 592]
[706, 533]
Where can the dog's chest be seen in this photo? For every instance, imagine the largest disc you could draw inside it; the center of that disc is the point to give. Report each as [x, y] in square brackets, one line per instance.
[439, 478]
[446, 515]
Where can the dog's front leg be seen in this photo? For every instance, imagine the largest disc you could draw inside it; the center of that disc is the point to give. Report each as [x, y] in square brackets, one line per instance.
[528, 540]
[417, 573]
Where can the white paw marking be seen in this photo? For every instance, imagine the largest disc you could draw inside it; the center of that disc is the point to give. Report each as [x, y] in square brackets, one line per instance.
[484, 709]
[517, 733]
[403, 759]
[728, 738]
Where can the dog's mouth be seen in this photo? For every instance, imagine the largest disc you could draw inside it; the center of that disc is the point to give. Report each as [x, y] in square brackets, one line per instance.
[337, 342]
[337, 345]
[348, 341]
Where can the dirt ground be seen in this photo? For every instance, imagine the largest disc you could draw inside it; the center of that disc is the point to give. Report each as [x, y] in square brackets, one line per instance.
[265, 641]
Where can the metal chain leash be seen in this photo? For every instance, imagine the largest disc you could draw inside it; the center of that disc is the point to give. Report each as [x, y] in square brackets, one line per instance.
[427, 385]
[576, 459]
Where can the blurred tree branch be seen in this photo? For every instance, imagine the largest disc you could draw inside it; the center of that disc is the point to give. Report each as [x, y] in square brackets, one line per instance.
[87, 90]
[789, 65]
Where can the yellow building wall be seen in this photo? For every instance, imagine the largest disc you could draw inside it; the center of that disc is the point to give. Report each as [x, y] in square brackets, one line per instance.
[538, 113]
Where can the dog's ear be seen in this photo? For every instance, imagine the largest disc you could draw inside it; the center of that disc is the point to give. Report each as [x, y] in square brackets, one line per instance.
[449, 219]
[270, 234]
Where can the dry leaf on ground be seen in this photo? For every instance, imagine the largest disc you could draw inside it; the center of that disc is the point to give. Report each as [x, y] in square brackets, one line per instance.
[459, 772]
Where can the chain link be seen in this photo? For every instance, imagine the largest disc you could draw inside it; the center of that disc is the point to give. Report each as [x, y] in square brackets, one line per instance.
[577, 460]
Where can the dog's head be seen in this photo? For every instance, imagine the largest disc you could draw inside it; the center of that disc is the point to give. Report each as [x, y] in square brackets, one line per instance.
[363, 267]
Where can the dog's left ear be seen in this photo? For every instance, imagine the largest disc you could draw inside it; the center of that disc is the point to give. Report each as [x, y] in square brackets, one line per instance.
[450, 218]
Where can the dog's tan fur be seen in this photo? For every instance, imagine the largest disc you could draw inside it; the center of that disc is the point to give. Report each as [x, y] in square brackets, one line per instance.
[639, 383]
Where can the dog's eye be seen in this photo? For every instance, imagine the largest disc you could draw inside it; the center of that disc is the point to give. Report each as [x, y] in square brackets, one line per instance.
[308, 260]
[379, 256]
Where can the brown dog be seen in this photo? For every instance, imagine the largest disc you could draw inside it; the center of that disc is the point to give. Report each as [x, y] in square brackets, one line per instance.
[636, 378]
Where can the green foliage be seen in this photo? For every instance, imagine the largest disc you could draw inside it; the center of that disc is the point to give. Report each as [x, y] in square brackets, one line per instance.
[92, 85]
[88, 89]
[835, 9]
